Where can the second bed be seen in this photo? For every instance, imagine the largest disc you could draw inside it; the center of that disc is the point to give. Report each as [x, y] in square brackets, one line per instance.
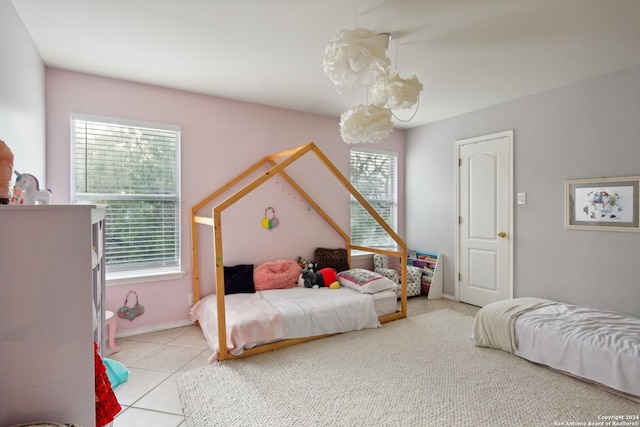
[599, 346]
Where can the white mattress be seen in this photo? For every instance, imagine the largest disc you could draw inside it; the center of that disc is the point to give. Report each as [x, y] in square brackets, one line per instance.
[311, 312]
[385, 302]
[596, 345]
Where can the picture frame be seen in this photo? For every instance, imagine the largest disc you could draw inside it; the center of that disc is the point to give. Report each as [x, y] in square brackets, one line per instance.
[602, 204]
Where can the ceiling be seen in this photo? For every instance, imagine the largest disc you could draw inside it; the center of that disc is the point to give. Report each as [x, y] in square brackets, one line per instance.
[469, 54]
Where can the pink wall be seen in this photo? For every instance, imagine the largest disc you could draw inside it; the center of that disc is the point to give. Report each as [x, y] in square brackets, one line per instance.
[220, 139]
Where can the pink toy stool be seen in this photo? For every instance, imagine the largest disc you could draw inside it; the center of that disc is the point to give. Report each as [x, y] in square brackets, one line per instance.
[110, 322]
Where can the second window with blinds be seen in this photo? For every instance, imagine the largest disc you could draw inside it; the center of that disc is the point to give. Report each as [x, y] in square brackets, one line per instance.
[375, 175]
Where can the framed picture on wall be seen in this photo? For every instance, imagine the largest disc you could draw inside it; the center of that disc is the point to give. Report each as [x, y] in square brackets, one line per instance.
[604, 204]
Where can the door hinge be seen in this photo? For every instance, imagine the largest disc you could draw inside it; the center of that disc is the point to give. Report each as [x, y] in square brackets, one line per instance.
[459, 220]
[460, 162]
[459, 277]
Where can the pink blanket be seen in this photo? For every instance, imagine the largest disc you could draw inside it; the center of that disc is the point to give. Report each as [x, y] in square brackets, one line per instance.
[249, 318]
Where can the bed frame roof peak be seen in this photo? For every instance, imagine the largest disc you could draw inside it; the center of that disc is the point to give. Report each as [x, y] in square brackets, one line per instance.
[292, 155]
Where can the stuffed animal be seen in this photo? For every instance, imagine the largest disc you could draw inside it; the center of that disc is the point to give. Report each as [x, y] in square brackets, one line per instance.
[302, 262]
[325, 277]
[307, 265]
[27, 191]
[308, 279]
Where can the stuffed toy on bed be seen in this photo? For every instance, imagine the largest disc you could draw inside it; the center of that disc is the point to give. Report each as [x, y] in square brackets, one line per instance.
[325, 277]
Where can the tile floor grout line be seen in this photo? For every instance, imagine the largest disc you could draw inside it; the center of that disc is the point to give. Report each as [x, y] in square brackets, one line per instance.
[160, 383]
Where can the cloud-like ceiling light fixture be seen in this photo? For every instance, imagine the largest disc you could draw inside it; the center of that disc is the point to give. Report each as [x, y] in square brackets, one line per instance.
[365, 123]
[395, 92]
[357, 59]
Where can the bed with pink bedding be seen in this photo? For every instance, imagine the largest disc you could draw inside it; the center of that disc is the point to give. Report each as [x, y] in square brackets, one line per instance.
[266, 316]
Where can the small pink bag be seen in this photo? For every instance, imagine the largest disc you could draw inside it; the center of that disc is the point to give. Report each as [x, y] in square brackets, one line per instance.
[130, 313]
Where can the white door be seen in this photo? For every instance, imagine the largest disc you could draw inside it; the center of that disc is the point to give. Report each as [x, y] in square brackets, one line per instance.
[485, 241]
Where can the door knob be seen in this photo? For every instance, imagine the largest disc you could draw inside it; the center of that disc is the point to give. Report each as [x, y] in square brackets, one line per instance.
[502, 234]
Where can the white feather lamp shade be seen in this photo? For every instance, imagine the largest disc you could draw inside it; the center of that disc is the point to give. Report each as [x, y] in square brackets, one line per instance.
[399, 93]
[355, 59]
[368, 123]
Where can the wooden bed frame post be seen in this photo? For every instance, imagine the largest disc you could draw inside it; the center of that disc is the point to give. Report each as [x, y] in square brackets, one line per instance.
[403, 279]
[195, 265]
[219, 263]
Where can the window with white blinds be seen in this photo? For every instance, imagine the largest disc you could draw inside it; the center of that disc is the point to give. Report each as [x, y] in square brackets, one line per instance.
[374, 174]
[133, 168]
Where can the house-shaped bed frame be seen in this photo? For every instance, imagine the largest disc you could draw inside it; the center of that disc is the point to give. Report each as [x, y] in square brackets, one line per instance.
[289, 157]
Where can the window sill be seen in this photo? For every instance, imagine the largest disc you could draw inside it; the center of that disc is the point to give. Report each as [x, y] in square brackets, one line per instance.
[357, 254]
[130, 278]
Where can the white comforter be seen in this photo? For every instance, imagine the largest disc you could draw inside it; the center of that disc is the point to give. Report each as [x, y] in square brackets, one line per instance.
[310, 312]
[297, 312]
[597, 345]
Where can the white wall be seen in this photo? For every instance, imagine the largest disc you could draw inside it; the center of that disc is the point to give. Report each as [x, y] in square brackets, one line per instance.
[22, 103]
[585, 130]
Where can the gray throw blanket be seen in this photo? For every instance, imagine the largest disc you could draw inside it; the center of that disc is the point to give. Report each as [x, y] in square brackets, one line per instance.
[494, 324]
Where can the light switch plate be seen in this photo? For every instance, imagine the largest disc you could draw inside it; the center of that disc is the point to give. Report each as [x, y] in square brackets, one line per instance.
[522, 198]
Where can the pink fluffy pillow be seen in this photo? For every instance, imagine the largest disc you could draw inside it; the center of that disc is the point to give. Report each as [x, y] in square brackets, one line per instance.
[281, 274]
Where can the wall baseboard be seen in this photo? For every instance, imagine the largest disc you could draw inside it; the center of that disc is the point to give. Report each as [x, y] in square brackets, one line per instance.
[154, 328]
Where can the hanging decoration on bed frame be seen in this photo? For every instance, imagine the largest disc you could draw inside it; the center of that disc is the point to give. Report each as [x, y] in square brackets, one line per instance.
[287, 157]
[269, 223]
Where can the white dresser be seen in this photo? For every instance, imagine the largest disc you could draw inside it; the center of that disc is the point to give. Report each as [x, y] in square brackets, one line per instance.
[51, 296]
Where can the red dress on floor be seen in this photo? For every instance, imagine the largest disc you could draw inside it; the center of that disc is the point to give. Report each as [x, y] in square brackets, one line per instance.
[107, 406]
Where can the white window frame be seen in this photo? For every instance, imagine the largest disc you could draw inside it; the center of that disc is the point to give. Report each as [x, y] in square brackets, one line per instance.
[145, 274]
[394, 223]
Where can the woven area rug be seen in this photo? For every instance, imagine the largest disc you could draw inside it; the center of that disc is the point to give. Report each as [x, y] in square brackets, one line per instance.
[419, 371]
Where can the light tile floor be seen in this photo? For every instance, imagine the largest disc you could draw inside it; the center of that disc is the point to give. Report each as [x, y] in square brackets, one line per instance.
[150, 397]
